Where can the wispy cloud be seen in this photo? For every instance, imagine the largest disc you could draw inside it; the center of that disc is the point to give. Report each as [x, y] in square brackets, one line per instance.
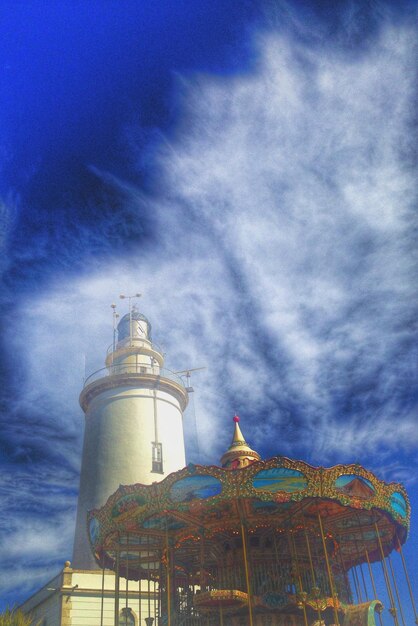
[284, 261]
[284, 264]
[36, 526]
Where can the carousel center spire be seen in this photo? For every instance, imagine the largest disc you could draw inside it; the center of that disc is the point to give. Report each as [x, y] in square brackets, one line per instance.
[239, 453]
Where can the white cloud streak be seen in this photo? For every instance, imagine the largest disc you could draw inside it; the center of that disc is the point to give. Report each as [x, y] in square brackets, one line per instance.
[285, 234]
[284, 262]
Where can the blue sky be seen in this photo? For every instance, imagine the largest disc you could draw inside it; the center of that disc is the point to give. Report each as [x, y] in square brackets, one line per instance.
[250, 167]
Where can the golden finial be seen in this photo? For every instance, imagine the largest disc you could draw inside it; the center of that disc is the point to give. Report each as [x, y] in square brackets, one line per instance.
[239, 453]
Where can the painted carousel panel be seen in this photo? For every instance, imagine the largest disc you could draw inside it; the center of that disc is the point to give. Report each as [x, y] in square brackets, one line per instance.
[128, 503]
[355, 486]
[280, 479]
[398, 504]
[94, 530]
[195, 487]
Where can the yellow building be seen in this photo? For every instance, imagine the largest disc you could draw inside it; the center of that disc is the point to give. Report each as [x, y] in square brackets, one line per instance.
[77, 597]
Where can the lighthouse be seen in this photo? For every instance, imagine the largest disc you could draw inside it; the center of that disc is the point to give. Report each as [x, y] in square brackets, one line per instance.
[133, 424]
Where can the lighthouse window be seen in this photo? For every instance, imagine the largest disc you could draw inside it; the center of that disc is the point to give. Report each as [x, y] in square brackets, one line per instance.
[157, 457]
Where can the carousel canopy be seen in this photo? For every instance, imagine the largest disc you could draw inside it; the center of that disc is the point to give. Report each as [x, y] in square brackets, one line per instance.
[280, 493]
[271, 541]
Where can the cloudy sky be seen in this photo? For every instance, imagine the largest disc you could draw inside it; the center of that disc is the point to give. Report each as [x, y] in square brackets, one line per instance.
[248, 166]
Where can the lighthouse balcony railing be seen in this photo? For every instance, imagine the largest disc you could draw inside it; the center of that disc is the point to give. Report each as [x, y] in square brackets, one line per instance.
[119, 369]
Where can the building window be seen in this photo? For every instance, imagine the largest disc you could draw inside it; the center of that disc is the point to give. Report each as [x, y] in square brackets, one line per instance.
[126, 617]
[157, 457]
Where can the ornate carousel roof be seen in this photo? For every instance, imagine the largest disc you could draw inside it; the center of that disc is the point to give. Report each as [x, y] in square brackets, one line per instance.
[360, 513]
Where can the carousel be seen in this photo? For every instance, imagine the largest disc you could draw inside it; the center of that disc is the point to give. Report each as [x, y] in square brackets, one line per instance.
[256, 543]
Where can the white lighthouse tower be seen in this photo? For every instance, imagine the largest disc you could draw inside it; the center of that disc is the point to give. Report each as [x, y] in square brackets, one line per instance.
[134, 424]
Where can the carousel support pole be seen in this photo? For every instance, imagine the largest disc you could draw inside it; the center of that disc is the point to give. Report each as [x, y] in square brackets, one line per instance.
[411, 595]
[354, 582]
[235, 576]
[331, 582]
[392, 609]
[155, 600]
[163, 590]
[103, 589]
[370, 572]
[221, 615]
[127, 580]
[117, 582]
[247, 574]
[346, 576]
[357, 585]
[371, 576]
[308, 545]
[160, 599]
[139, 598]
[295, 578]
[202, 563]
[278, 573]
[148, 579]
[366, 593]
[276, 552]
[305, 617]
[159, 602]
[373, 584]
[167, 547]
[396, 590]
